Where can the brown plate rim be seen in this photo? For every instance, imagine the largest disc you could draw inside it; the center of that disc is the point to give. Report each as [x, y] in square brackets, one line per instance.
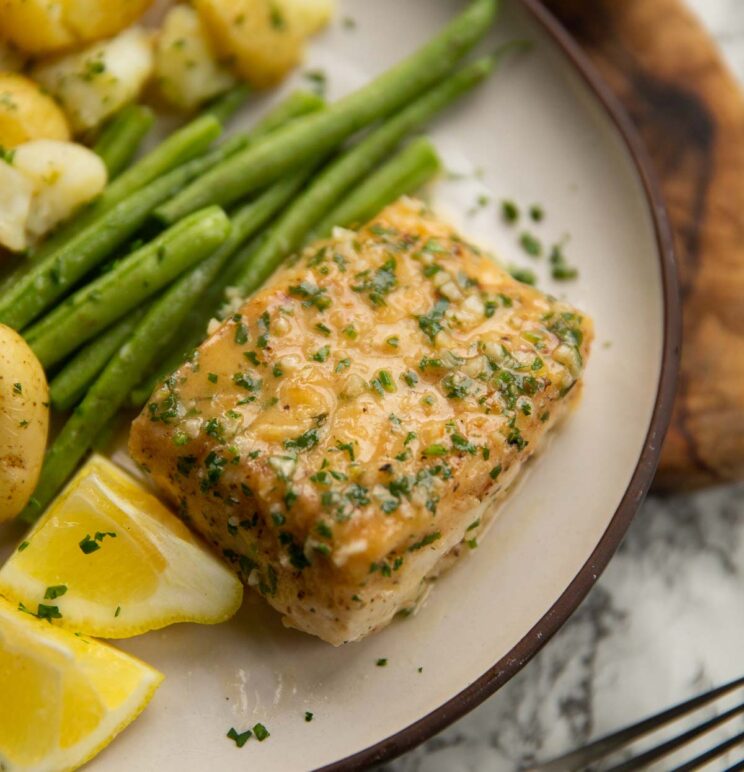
[510, 664]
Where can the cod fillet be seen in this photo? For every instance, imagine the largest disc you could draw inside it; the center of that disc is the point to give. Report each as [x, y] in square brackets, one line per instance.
[350, 428]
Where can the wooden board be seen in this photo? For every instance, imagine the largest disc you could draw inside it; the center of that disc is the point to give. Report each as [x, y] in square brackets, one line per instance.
[689, 109]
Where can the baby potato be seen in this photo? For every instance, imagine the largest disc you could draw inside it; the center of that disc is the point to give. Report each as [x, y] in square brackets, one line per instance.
[186, 66]
[64, 176]
[94, 83]
[27, 113]
[42, 27]
[254, 36]
[309, 16]
[24, 422]
[16, 192]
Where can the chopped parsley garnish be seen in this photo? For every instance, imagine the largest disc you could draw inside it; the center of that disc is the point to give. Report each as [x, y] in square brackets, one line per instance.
[88, 544]
[23, 545]
[343, 364]
[55, 591]
[17, 388]
[306, 441]
[426, 541]
[559, 267]
[247, 381]
[261, 732]
[530, 244]
[318, 81]
[495, 472]
[212, 377]
[431, 323]
[48, 612]
[264, 325]
[537, 213]
[509, 211]
[348, 447]
[525, 275]
[461, 443]
[378, 284]
[276, 17]
[410, 378]
[322, 354]
[312, 295]
[239, 738]
[381, 662]
[308, 716]
[241, 331]
[435, 450]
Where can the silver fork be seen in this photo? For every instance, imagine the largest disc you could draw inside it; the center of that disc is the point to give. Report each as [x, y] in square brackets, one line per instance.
[582, 758]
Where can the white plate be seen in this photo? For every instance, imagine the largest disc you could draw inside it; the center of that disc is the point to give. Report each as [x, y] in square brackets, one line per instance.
[540, 133]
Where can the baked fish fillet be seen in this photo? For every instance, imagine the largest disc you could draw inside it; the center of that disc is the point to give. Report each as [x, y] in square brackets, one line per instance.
[356, 420]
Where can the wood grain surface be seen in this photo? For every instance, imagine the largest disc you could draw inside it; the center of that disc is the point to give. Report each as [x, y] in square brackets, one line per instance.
[689, 110]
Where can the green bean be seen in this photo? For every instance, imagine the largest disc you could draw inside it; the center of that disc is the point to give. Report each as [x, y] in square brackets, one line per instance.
[68, 387]
[298, 103]
[204, 303]
[403, 174]
[51, 278]
[338, 178]
[121, 137]
[226, 105]
[133, 280]
[28, 292]
[317, 134]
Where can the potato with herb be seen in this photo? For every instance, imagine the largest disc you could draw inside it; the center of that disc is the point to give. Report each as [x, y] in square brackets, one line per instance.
[63, 177]
[94, 83]
[255, 36]
[42, 27]
[186, 64]
[24, 422]
[27, 113]
[309, 16]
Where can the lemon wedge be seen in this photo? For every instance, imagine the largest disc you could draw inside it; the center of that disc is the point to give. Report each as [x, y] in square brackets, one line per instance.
[108, 559]
[64, 697]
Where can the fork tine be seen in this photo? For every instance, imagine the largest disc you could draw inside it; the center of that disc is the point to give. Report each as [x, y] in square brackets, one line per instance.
[604, 746]
[714, 753]
[644, 759]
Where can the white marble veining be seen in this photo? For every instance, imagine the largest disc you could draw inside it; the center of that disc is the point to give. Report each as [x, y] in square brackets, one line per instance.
[665, 621]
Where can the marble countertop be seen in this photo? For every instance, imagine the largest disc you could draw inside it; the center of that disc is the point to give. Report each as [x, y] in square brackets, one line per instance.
[665, 621]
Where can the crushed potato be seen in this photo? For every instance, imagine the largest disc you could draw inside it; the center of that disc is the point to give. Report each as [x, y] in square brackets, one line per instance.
[262, 39]
[42, 27]
[94, 83]
[27, 113]
[50, 180]
[186, 65]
